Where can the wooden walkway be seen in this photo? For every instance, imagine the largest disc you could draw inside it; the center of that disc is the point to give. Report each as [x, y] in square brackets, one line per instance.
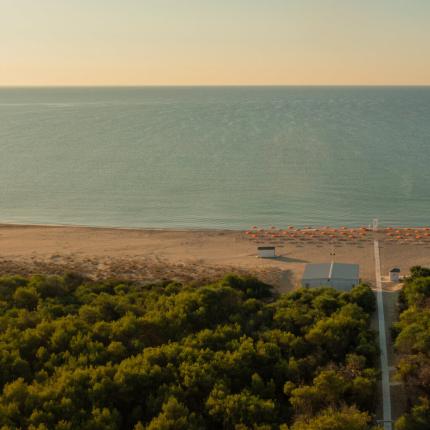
[385, 370]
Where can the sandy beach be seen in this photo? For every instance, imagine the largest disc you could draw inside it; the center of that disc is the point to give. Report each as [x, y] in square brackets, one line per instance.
[151, 255]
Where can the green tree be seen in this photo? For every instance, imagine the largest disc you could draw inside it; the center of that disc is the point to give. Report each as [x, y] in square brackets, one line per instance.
[413, 346]
[417, 419]
[174, 416]
[245, 408]
[26, 297]
[75, 353]
[347, 418]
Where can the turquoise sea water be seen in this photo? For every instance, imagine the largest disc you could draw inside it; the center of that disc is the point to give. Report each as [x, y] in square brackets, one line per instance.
[215, 157]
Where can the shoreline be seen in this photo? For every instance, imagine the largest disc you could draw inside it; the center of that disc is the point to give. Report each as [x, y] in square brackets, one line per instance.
[4, 224]
[97, 227]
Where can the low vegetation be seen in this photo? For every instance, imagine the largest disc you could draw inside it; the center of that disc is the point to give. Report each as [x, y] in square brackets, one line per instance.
[412, 343]
[76, 354]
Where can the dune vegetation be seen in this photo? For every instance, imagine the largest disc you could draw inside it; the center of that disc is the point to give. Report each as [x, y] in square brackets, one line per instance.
[77, 354]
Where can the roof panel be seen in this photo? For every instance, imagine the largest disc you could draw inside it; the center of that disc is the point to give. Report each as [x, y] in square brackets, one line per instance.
[345, 271]
[317, 271]
[340, 271]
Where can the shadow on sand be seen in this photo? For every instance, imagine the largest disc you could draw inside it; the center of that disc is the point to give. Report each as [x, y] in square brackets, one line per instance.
[290, 260]
[287, 281]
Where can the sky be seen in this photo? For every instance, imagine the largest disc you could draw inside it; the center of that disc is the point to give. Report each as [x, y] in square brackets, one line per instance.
[214, 42]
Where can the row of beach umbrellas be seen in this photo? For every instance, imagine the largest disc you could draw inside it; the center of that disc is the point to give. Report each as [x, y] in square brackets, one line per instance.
[330, 234]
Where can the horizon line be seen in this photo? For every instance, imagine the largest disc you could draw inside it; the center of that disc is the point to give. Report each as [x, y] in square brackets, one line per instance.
[212, 85]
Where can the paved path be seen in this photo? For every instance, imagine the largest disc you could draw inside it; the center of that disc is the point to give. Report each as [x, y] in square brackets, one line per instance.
[385, 371]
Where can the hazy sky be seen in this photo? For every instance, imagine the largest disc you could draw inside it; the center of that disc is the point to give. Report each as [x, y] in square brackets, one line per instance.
[183, 42]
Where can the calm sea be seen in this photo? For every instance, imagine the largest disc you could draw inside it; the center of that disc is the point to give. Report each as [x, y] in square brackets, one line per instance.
[215, 157]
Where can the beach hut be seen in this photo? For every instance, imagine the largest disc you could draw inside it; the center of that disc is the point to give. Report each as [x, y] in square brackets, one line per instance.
[266, 251]
[337, 275]
[394, 274]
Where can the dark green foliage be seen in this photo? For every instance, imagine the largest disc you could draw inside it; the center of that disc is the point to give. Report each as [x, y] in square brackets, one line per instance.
[363, 296]
[119, 355]
[420, 272]
[347, 418]
[26, 297]
[418, 417]
[412, 334]
[251, 287]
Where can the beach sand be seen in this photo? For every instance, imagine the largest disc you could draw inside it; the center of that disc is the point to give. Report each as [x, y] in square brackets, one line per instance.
[201, 255]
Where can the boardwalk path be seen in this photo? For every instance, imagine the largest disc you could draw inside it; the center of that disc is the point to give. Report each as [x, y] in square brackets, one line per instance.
[385, 371]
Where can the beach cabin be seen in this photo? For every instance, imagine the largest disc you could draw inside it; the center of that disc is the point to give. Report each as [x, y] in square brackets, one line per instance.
[266, 251]
[394, 275]
[337, 275]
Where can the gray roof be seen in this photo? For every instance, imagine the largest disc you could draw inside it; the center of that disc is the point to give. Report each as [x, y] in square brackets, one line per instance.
[331, 271]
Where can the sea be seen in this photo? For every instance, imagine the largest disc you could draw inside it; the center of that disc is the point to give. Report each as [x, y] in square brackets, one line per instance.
[215, 157]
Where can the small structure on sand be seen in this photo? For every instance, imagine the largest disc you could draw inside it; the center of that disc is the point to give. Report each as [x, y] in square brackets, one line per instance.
[266, 251]
[337, 275]
[394, 274]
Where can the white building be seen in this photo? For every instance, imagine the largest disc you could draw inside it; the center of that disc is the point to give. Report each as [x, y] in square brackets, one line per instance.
[266, 251]
[394, 274]
[337, 275]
